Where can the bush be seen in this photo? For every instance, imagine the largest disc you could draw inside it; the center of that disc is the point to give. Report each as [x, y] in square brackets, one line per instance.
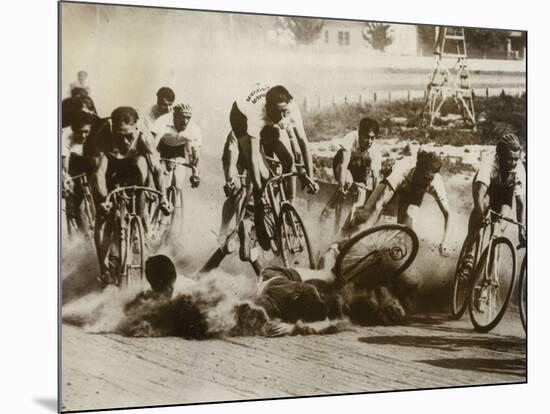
[502, 113]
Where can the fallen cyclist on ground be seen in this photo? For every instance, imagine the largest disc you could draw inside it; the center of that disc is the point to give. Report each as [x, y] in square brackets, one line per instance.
[294, 298]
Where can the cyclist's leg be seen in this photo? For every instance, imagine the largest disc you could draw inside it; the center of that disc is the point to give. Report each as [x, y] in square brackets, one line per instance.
[138, 174]
[178, 180]
[230, 159]
[76, 167]
[277, 142]
[258, 171]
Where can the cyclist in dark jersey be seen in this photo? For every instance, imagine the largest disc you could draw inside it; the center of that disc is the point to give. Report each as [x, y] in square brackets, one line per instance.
[122, 157]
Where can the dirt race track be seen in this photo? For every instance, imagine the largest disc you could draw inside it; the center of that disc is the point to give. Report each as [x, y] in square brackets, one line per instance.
[111, 371]
[107, 371]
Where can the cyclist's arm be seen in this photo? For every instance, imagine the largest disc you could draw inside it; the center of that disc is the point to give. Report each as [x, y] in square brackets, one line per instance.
[229, 158]
[65, 164]
[445, 209]
[438, 191]
[98, 180]
[479, 193]
[342, 167]
[252, 146]
[301, 136]
[370, 213]
[304, 147]
[520, 208]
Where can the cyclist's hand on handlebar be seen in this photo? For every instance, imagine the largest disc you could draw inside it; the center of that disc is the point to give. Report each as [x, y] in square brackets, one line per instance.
[443, 250]
[195, 181]
[106, 207]
[522, 237]
[229, 188]
[312, 186]
[165, 206]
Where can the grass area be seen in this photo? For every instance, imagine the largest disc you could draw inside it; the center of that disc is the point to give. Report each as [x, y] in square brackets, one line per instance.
[502, 114]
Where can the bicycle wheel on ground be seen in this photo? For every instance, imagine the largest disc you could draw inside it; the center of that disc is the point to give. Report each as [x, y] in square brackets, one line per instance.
[294, 242]
[494, 277]
[523, 293]
[135, 253]
[461, 286]
[378, 254]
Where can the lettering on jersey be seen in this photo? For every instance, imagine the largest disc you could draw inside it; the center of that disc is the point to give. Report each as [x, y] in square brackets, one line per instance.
[257, 94]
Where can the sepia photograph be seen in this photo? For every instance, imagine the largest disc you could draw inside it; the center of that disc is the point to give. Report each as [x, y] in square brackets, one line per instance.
[259, 206]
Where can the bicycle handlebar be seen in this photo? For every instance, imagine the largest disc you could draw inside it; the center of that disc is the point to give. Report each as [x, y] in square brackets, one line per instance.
[76, 177]
[508, 219]
[183, 164]
[131, 188]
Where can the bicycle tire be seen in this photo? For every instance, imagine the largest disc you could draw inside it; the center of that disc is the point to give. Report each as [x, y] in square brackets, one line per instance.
[523, 293]
[460, 285]
[90, 212]
[338, 211]
[72, 225]
[289, 212]
[346, 267]
[134, 260]
[123, 251]
[490, 291]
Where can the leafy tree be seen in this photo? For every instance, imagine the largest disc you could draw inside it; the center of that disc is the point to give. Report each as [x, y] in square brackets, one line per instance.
[378, 35]
[305, 30]
[486, 40]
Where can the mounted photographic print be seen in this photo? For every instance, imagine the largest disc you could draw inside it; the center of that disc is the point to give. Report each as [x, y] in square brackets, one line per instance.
[261, 207]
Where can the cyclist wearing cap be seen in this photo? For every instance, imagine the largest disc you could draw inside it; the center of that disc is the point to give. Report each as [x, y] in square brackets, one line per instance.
[261, 122]
[165, 100]
[73, 162]
[358, 160]
[122, 157]
[499, 181]
[410, 181]
[178, 138]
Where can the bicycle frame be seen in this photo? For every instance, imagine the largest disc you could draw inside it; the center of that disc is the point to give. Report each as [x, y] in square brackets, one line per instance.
[493, 226]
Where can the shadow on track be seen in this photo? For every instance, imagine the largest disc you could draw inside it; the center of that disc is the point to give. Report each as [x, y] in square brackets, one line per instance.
[450, 343]
[515, 366]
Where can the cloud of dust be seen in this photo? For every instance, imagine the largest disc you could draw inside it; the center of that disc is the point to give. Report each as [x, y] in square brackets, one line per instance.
[209, 305]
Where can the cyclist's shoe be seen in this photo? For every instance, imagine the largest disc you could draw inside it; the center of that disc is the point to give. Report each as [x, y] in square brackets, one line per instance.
[245, 231]
[467, 266]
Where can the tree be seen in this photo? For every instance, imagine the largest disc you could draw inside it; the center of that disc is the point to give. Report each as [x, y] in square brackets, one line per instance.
[378, 35]
[426, 37]
[305, 30]
[486, 40]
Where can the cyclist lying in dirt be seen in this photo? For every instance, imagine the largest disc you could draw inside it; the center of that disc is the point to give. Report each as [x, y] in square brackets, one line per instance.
[288, 302]
[306, 301]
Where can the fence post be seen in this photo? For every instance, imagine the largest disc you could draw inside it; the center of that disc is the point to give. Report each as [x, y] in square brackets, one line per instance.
[389, 96]
[408, 96]
[360, 99]
[486, 92]
[346, 99]
[374, 97]
[318, 102]
[333, 100]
